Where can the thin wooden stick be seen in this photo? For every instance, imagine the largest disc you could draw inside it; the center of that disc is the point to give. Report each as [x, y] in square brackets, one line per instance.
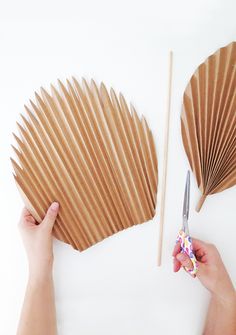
[201, 202]
[165, 162]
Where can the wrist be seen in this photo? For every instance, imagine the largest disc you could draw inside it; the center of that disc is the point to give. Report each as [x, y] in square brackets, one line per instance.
[225, 293]
[36, 278]
[222, 287]
[40, 271]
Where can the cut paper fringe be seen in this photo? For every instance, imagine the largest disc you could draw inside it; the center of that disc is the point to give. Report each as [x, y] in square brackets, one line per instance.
[84, 148]
[208, 122]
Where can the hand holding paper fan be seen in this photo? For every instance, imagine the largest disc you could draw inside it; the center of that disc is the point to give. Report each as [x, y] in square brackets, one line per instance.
[83, 148]
[208, 122]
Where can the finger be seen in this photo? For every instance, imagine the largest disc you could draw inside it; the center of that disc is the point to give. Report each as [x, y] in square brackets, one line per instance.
[30, 220]
[199, 254]
[177, 249]
[176, 265]
[26, 218]
[198, 244]
[25, 213]
[185, 261]
[51, 215]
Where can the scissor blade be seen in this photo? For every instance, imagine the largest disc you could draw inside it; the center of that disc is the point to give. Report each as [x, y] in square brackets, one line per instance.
[186, 203]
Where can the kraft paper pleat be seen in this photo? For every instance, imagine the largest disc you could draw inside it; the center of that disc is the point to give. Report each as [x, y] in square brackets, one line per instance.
[208, 122]
[86, 149]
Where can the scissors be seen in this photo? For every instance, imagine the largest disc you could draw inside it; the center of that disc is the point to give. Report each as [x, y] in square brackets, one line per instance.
[183, 236]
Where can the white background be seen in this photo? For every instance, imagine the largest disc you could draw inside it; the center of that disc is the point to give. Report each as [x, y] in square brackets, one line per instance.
[114, 287]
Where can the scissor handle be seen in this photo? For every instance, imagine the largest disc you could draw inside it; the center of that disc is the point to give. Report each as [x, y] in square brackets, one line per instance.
[187, 247]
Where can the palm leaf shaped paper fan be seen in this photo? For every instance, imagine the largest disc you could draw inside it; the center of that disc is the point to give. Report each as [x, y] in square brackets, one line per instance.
[84, 148]
[208, 122]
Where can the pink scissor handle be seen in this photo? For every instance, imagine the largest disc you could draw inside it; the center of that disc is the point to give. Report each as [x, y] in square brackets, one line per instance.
[186, 247]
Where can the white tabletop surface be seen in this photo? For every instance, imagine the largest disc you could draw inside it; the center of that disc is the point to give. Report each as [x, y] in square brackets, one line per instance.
[115, 287]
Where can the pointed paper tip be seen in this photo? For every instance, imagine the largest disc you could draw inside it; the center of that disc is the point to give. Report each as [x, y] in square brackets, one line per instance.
[122, 99]
[93, 82]
[52, 87]
[22, 116]
[60, 83]
[44, 92]
[69, 83]
[84, 82]
[112, 92]
[74, 79]
[102, 86]
[37, 97]
[132, 109]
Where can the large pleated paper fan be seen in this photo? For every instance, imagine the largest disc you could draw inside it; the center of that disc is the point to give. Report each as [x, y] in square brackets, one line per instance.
[84, 148]
[208, 122]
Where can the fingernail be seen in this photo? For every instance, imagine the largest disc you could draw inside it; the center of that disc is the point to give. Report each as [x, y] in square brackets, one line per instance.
[55, 206]
[181, 257]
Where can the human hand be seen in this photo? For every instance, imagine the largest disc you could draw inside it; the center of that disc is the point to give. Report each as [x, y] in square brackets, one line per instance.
[211, 270]
[37, 239]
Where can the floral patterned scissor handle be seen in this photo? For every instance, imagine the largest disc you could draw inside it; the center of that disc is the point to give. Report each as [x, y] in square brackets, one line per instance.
[186, 247]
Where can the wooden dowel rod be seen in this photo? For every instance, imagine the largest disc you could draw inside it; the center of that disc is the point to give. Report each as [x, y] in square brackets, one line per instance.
[165, 162]
[201, 202]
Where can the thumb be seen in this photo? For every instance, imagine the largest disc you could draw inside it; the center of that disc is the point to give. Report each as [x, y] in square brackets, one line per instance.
[185, 260]
[51, 215]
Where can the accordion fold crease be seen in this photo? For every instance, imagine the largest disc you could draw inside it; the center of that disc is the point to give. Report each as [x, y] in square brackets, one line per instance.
[86, 149]
[208, 122]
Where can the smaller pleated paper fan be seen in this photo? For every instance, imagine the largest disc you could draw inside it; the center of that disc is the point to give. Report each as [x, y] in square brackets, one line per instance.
[208, 122]
[84, 148]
